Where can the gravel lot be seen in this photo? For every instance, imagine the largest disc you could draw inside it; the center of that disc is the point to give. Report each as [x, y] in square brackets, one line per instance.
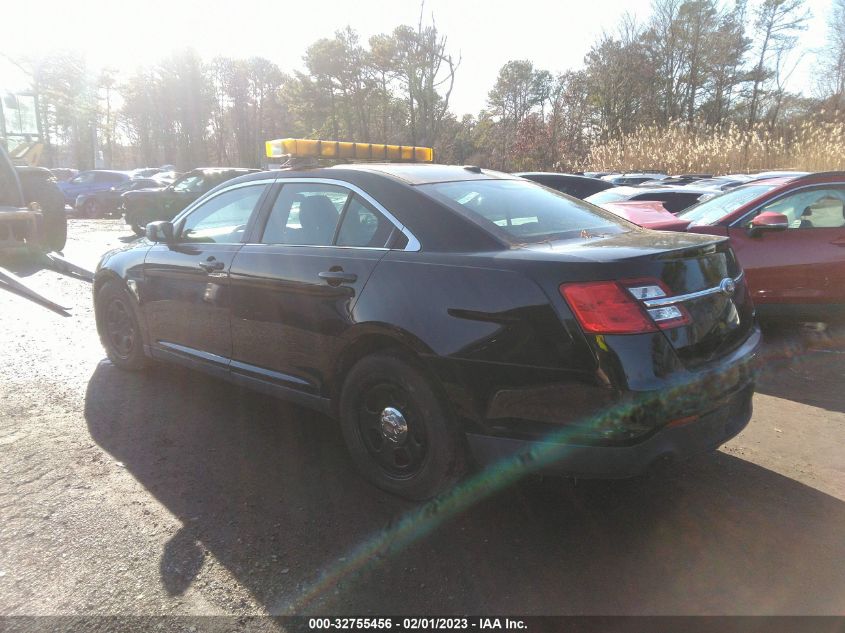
[173, 493]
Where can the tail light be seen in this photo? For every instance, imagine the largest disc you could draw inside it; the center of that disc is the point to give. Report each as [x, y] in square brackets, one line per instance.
[612, 307]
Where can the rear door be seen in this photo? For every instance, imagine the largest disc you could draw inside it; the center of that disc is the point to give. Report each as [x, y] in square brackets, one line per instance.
[185, 294]
[804, 264]
[295, 287]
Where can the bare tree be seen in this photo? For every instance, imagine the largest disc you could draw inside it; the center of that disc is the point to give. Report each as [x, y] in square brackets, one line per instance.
[777, 23]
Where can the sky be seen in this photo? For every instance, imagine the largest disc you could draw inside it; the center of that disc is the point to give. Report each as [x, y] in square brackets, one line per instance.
[554, 34]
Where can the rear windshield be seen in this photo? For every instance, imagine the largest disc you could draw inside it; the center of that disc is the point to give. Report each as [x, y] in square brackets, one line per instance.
[521, 212]
[608, 195]
[714, 209]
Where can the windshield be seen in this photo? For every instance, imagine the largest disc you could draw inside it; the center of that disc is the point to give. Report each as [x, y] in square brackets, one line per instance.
[522, 212]
[714, 209]
[608, 195]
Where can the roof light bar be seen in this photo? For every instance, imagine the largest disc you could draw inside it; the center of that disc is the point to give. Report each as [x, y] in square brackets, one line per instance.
[306, 147]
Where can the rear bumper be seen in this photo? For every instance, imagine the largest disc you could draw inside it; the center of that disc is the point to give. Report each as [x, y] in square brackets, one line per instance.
[713, 406]
[786, 312]
[617, 462]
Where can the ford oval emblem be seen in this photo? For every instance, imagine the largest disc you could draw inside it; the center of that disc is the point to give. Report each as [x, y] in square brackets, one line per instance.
[727, 287]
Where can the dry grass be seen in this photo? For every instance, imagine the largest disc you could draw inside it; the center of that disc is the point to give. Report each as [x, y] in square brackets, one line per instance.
[677, 149]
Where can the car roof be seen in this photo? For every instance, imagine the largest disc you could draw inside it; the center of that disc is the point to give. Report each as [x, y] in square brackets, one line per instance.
[554, 174]
[424, 173]
[109, 171]
[674, 189]
[772, 180]
[624, 190]
[630, 190]
[221, 170]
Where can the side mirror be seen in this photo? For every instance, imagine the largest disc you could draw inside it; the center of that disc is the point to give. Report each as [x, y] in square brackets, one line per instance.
[768, 221]
[160, 231]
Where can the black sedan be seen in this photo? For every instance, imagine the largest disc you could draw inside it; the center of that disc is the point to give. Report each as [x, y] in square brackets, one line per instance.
[572, 185]
[101, 203]
[163, 203]
[445, 316]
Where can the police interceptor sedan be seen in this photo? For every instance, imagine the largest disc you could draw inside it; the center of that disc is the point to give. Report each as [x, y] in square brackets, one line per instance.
[445, 316]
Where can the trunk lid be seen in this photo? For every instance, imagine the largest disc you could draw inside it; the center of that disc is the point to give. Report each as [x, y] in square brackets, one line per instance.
[695, 274]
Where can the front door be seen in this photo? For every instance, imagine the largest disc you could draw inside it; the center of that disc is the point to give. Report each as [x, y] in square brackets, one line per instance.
[804, 264]
[185, 292]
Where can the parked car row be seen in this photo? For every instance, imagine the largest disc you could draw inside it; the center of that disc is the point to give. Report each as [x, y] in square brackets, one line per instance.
[141, 195]
[139, 207]
[787, 229]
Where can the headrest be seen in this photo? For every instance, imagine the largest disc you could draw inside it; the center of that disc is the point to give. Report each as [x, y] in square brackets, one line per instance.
[317, 212]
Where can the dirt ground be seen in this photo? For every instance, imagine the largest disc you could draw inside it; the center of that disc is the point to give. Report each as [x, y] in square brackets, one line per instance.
[173, 493]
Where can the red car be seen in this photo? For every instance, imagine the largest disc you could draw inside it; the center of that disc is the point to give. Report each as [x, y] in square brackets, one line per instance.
[649, 213]
[789, 235]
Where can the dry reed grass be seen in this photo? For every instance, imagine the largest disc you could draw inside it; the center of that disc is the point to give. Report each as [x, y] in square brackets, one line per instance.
[676, 149]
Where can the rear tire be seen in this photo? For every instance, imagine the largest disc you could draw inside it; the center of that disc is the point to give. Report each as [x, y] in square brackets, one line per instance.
[120, 331]
[398, 430]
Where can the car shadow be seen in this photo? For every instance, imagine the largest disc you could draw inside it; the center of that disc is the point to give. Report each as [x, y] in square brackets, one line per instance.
[268, 489]
[804, 364]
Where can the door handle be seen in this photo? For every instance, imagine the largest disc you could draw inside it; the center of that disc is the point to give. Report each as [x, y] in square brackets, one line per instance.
[211, 264]
[839, 241]
[337, 277]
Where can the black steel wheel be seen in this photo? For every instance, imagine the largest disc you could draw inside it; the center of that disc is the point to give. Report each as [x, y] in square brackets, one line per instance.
[391, 429]
[398, 429]
[120, 331]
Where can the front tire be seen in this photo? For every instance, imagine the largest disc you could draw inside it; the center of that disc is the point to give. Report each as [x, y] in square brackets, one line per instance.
[120, 331]
[397, 428]
[52, 203]
[132, 219]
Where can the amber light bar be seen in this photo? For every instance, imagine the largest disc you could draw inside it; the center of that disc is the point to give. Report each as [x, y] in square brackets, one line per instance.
[302, 147]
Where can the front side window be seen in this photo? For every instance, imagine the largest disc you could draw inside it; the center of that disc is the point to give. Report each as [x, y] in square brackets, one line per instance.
[305, 215]
[223, 218]
[520, 212]
[811, 209]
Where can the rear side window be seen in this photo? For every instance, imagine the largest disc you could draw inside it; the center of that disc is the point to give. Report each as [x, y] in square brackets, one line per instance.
[190, 184]
[606, 196]
[522, 212]
[673, 202]
[363, 226]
